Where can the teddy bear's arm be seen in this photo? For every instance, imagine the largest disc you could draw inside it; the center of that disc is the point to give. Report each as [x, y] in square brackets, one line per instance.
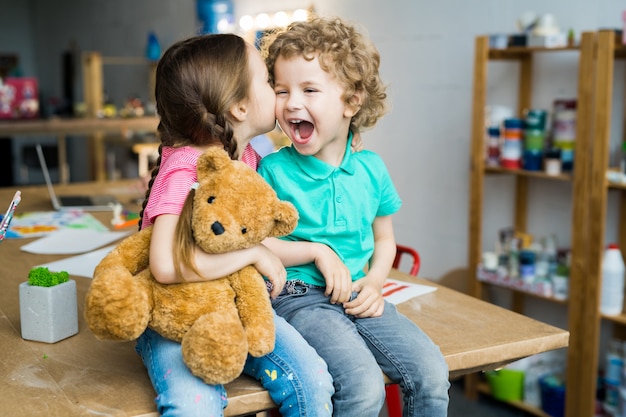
[118, 302]
[255, 310]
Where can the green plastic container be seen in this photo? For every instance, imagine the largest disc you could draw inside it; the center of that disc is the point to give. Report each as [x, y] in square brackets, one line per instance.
[533, 140]
[506, 384]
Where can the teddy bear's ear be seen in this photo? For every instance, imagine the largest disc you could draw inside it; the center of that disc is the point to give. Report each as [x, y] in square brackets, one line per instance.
[285, 219]
[213, 159]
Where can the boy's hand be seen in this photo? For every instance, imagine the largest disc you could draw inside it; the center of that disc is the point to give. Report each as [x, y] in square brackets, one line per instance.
[336, 274]
[357, 142]
[369, 301]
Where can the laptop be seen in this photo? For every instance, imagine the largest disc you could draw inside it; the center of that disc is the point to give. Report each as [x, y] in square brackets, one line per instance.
[73, 202]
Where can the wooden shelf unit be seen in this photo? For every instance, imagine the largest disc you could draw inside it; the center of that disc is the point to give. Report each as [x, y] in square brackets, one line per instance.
[597, 52]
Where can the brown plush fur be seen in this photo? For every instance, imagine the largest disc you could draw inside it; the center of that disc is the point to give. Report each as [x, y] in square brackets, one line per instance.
[220, 321]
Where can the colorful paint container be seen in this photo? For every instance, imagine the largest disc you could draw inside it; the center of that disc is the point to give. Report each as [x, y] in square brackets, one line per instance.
[511, 157]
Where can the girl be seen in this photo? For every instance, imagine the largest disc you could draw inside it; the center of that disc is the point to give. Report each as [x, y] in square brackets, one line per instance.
[213, 90]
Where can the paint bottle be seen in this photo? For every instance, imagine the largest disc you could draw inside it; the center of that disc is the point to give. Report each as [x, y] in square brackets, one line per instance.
[613, 375]
[527, 266]
[512, 144]
[564, 131]
[612, 295]
[493, 146]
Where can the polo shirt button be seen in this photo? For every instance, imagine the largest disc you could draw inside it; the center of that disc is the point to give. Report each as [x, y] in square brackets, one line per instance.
[339, 199]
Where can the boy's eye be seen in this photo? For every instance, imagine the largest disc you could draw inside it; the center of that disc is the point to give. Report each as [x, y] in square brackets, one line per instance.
[211, 199]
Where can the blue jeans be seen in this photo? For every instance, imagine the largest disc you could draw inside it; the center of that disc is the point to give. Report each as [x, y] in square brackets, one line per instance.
[295, 376]
[356, 350]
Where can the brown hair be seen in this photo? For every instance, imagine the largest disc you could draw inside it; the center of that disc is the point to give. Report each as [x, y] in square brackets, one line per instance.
[343, 52]
[197, 81]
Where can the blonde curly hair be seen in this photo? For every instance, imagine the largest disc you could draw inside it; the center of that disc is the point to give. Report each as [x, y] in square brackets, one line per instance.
[343, 52]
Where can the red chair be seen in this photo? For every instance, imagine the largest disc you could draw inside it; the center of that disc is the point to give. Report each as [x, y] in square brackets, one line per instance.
[392, 391]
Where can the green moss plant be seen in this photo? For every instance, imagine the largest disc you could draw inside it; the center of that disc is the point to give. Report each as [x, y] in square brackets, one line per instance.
[42, 277]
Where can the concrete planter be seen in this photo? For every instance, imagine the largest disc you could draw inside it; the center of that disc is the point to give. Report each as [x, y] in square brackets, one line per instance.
[48, 314]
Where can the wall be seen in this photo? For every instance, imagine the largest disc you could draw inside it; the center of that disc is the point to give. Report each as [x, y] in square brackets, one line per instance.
[427, 52]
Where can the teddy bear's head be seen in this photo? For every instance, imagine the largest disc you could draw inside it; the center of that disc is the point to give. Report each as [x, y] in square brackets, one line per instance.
[233, 207]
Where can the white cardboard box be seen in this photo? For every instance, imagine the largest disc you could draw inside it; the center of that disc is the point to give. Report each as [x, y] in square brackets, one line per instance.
[548, 41]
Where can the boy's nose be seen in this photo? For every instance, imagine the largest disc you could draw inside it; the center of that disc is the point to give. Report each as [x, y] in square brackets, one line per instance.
[294, 103]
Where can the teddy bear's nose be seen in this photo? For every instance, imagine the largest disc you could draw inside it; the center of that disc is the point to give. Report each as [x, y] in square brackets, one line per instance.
[217, 228]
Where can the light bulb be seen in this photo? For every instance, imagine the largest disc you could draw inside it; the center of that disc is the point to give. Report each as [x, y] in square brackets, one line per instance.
[262, 21]
[281, 19]
[300, 15]
[246, 23]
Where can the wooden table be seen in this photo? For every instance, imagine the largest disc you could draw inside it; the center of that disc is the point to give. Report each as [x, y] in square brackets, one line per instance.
[81, 376]
[95, 128]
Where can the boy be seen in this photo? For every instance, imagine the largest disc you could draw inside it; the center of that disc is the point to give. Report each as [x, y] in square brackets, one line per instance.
[326, 80]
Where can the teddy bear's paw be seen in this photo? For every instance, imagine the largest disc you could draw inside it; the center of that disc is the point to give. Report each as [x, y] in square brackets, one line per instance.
[117, 306]
[261, 340]
[215, 348]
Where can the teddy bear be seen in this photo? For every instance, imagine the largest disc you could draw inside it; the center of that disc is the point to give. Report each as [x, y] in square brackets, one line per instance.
[218, 322]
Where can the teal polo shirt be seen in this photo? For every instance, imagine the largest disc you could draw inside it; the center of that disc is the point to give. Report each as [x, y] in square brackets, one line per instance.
[337, 205]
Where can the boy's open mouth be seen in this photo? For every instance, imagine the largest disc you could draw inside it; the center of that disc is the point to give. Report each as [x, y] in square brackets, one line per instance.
[301, 130]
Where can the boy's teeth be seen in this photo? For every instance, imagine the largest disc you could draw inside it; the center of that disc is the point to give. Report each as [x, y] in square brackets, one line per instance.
[297, 133]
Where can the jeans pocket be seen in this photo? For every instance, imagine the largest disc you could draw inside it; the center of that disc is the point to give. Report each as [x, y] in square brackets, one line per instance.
[294, 288]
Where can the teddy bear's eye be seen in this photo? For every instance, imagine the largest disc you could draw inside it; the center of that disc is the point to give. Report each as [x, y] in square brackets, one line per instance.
[244, 230]
[211, 199]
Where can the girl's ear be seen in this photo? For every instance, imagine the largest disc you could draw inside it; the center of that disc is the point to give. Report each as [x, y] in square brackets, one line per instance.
[353, 104]
[239, 111]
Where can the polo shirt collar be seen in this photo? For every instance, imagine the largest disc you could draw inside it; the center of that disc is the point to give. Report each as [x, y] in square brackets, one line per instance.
[320, 170]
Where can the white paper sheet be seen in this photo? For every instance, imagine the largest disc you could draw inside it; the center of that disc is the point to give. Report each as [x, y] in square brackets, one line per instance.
[81, 265]
[397, 292]
[72, 241]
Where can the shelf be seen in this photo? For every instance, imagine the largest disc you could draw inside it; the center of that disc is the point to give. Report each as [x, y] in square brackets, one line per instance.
[519, 52]
[525, 173]
[588, 198]
[619, 319]
[58, 125]
[521, 290]
[483, 387]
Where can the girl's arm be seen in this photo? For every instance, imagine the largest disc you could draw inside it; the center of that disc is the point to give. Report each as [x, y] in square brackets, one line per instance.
[335, 273]
[370, 302]
[212, 266]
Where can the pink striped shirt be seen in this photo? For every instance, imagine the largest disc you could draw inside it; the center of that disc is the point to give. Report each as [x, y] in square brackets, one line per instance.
[176, 175]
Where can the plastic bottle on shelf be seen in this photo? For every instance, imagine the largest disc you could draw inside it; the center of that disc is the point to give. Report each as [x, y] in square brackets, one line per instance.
[511, 156]
[613, 376]
[612, 297]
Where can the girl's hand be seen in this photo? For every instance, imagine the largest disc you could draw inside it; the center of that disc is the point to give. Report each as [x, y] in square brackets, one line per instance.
[357, 142]
[369, 301]
[270, 266]
[336, 274]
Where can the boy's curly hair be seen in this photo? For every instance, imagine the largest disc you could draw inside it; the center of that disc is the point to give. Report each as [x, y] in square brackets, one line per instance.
[342, 51]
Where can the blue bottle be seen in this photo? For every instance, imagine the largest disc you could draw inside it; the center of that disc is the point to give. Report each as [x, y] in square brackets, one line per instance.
[153, 48]
[216, 16]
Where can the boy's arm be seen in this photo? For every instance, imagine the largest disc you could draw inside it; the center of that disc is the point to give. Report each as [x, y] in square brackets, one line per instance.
[211, 266]
[336, 274]
[370, 302]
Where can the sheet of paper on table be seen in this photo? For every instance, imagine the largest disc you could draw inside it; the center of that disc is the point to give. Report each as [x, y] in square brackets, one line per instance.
[397, 292]
[72, 241]
[41, 223]
[81, 265]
